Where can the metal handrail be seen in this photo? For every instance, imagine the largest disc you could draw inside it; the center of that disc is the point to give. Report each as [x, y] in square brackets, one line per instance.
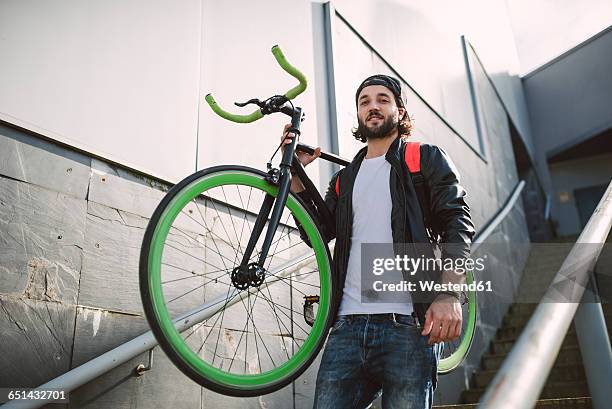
[548, 206]
[98, 366]
[522, 376]
[501, 214]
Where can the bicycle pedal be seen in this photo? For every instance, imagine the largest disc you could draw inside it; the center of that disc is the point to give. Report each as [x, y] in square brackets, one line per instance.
[309, 301]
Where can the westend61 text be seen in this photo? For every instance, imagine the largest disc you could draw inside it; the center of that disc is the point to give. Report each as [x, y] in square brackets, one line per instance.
[432, 286]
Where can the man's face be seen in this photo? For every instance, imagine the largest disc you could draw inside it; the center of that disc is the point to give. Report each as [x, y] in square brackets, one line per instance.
[377, 112]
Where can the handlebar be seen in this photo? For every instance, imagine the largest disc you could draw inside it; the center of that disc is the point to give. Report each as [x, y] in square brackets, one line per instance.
[254, 116]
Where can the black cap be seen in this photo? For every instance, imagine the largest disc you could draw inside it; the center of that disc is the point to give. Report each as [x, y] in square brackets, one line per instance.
[391, 83]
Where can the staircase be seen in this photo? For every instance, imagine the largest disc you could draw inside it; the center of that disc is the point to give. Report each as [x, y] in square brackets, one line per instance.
[566, 386]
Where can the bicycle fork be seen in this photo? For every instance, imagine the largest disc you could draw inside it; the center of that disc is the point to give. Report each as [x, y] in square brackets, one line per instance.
[253, 274]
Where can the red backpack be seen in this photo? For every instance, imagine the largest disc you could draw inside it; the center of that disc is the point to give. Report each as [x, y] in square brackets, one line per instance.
[412, 157]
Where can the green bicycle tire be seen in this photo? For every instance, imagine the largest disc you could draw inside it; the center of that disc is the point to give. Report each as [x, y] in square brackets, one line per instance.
[453, 361]
[156, 310]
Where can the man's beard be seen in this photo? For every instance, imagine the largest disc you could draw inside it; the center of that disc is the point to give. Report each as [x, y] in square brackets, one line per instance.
[379, 132]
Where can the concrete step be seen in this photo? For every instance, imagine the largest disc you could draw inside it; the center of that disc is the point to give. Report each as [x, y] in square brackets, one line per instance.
[545, 263]
[508, 332]
[528, 309]
[512, 333]
[515, 320]
[567, 355]
[563, 403]
[548, 254]
[559, 373]
[553, 390]
[564, 239]
[504, 345]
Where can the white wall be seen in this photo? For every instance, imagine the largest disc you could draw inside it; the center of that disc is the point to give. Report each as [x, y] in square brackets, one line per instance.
[422, 41]
[117, 79]
[238, 65]
[126, 80]
[567, 24]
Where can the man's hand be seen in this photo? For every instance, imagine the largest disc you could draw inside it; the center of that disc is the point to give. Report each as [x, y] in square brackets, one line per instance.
[304, 157]
[443, 319]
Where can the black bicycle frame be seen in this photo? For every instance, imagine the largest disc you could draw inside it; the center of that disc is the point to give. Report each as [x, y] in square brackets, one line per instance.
[276, 205]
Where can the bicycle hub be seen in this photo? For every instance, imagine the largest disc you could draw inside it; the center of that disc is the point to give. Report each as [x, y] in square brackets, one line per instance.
[251, 276]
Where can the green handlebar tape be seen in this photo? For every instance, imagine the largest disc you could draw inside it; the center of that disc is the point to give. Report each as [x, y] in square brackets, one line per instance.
[292, 93]
[243, 119]
[282, 61]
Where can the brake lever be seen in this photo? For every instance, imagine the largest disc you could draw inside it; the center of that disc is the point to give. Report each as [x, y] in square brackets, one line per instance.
[255, 101]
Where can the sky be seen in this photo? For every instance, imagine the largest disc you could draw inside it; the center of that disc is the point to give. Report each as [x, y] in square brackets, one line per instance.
[544, 29]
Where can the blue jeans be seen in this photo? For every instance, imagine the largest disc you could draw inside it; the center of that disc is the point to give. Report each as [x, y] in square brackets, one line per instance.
[367, 354]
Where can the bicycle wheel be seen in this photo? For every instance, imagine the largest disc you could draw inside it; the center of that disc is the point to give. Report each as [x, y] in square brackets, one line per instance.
[234, 340]
[455, 352]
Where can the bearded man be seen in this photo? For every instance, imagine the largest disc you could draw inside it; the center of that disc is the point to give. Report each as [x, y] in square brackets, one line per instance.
[391, 348]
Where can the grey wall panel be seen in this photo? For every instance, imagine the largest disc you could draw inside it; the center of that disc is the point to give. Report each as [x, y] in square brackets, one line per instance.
[109, 279]
[496, 135]
[161, 388]
[568, 176]
[133, 194]
[510, 88]
[569, 99]
[98, 331]
[305, 385]
[21, 155]
[281, 399]
[118, 80]
[36, 340]
[42, 236]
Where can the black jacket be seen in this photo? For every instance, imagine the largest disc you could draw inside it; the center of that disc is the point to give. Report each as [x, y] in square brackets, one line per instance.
[450, 215]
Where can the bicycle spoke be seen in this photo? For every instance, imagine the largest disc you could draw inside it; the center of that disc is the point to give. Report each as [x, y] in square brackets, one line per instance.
[208, 229]
[219, 335]
[278, 321]
[277, 243]
[198, 275]
[289, 277]
[191, 255]
[233, 225]
[306, 332]
[274, 310]
[222, 224]
[250, 315]
[284, 280]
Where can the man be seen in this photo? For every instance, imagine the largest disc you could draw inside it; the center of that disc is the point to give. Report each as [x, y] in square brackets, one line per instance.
[391, 348]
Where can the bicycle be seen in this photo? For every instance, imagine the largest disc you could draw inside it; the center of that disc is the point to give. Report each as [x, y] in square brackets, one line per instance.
[204, 311]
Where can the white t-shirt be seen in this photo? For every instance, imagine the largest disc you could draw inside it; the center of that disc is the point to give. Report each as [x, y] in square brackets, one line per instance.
[371, 224]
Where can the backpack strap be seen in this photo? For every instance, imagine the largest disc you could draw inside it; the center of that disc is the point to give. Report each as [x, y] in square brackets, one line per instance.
[412, 157]
[338, 186]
